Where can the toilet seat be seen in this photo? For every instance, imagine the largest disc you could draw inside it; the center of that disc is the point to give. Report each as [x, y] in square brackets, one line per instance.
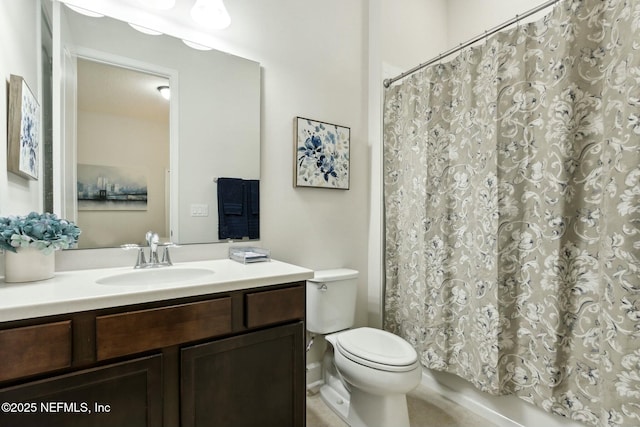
[377, 349]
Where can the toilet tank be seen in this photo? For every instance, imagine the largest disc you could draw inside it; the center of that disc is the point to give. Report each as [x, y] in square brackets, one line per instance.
[331, 300]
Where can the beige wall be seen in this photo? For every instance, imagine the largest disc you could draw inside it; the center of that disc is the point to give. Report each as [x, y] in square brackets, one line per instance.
[110, 140]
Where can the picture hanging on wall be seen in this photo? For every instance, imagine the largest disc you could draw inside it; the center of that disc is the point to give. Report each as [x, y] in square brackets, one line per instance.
[321, 154]
[23, 150]
[102, 188]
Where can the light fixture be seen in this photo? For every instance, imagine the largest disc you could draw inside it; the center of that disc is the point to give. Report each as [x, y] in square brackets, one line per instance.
[211, 14]
[159, 4]
[145, 30]
[84, 11]
[164, 91]
[197, 46]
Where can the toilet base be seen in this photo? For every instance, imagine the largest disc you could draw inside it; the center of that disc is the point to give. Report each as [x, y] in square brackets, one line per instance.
[361, 409]
[336, 401]
[370, 410]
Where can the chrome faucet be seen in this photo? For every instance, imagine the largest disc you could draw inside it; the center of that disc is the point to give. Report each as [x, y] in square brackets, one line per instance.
[153, 242]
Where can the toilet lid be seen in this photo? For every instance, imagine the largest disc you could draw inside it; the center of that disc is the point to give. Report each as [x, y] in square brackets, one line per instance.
[376, 348]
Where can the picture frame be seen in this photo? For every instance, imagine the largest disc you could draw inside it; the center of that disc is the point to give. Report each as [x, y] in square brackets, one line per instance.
[23, 144]
[111, 188]
[321, 154]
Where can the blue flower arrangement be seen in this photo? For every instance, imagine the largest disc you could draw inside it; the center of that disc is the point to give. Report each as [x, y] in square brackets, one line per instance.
[46, 232]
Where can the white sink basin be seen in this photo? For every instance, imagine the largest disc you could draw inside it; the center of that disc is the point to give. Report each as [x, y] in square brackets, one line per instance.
[156, 276]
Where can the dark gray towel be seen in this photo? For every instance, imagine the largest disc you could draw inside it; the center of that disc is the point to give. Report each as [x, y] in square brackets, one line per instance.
[232, 209]
[254, 208]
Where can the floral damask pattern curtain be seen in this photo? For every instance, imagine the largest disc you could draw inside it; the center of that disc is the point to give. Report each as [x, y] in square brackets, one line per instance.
[512, 211]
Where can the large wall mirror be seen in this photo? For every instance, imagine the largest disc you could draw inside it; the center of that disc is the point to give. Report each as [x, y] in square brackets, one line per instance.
[134, 161]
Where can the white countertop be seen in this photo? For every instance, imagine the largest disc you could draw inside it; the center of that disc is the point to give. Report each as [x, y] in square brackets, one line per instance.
[73, 291]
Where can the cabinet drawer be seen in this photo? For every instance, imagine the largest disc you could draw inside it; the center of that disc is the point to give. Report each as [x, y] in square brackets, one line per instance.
[138, 331]
[34, 349]
[280, 305]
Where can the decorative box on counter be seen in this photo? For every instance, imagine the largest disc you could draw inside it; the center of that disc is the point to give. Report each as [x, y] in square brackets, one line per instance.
[247, 254]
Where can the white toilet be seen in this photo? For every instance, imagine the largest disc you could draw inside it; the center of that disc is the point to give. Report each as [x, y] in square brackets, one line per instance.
[367, 372]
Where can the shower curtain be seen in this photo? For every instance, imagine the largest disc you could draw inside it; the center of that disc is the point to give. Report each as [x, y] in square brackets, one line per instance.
[512, 212]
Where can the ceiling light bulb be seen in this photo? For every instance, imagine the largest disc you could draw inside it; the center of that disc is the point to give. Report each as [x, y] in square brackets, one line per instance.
[165, 91]
[211, 14]
[159, 4]
[84, 11]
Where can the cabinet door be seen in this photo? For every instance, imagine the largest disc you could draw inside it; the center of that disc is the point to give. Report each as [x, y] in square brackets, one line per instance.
[123, 394]
[255, 379]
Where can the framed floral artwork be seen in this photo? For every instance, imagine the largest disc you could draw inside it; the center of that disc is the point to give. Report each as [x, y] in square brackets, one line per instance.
[23, 151]
[321, 154]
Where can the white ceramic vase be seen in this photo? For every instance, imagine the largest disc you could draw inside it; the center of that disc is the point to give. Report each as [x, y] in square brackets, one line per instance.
[28, 265]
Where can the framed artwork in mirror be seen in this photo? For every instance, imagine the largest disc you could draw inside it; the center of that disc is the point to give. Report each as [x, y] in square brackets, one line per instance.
[109, 188]
[321, 154]
[23, 145]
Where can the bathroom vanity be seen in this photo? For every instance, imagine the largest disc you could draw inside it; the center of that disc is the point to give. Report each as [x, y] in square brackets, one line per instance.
[226, 350]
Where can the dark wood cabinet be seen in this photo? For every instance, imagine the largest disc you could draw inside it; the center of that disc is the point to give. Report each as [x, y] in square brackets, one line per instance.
[232, 359]
[34, 349]
[142, 330]
[259, 380]
[122, 394]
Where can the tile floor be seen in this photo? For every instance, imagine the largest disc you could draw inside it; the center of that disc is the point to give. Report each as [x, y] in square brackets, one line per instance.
[426, 409]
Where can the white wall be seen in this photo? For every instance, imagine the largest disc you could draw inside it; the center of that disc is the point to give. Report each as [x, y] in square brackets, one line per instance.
[412, 31]
[19, 54]
[469, 18]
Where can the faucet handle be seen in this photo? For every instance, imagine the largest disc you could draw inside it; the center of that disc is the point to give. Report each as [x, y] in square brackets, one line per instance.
[141, 261]
[166, 259]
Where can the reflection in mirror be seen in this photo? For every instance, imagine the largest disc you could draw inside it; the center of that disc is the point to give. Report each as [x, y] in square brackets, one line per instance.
[213, 131]
[122, 154]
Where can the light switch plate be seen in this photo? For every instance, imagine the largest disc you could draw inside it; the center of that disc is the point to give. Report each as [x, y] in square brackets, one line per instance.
[199, 209]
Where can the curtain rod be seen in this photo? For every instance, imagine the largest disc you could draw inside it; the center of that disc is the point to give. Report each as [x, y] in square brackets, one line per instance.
[517, 18]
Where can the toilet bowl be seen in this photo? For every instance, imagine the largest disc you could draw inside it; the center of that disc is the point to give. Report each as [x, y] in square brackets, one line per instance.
[367, 372]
